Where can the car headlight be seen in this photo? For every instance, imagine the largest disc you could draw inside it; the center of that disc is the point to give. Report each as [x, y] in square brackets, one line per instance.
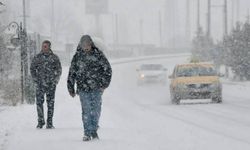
[142, 75]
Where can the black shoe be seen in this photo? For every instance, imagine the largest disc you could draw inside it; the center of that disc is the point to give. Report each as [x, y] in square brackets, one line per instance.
[86, 138]
[50, 127]
[95, 135]
[40, 125]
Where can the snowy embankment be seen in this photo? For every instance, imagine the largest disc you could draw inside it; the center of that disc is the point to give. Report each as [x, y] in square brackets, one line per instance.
[136, 118]
[147, 58]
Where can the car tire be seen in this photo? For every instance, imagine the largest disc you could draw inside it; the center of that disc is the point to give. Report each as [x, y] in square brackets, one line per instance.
[175, 99]
[217, 99]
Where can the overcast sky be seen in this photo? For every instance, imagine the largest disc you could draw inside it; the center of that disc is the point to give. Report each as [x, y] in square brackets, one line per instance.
[135, 18]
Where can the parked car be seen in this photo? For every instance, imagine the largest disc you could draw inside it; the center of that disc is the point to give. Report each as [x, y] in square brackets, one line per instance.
[154, 73]
[195, 81]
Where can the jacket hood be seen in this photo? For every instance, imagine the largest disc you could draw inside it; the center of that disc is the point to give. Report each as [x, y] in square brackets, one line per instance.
[86, 38]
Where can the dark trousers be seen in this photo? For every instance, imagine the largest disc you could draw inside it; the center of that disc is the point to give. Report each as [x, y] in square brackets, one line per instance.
[49, 91]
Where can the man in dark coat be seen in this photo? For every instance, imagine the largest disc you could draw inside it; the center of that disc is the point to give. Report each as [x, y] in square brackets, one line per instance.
[91, 72]
[46, 71]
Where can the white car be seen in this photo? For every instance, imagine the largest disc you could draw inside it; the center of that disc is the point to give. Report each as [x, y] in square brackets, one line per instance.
[151, 73]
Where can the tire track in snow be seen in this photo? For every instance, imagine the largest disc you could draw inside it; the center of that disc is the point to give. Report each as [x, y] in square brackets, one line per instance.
[220, 115]
[179, 116]
[173, 114]
[238, 105]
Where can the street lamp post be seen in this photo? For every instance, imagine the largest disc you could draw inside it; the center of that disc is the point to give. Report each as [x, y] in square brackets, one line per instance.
[22, 38]
[224, 6]
[19, 39]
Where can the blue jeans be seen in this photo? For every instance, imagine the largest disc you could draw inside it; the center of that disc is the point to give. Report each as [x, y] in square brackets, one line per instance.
[91, 110]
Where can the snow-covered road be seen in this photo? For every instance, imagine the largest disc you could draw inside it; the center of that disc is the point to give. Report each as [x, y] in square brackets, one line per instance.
[136, 118]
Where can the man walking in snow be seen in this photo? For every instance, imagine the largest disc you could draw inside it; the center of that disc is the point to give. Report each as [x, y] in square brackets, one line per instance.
[45, 70]
[92, 72]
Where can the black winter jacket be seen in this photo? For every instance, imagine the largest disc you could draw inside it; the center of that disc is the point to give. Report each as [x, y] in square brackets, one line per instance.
[46, 69]
[90, 71]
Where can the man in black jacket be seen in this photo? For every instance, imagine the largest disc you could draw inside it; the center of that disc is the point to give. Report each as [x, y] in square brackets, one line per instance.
[46, 71]
[92, 72]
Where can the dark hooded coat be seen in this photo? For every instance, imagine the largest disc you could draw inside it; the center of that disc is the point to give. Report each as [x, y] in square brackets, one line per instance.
[89, 70]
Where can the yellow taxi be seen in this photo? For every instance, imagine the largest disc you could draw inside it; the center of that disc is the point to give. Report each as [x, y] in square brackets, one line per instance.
[195, 81]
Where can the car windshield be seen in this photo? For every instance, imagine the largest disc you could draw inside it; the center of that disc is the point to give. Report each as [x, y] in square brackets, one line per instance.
[151, 67]
[195, 71]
